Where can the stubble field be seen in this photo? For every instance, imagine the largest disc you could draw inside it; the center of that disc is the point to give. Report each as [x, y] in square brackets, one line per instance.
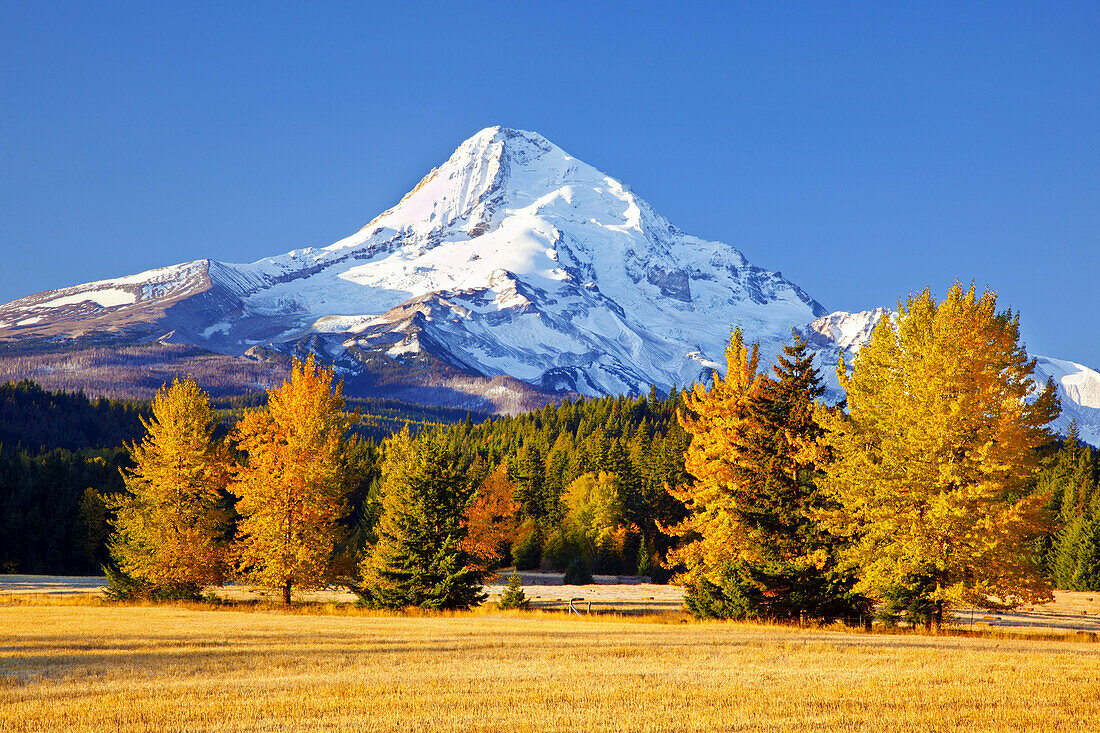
[83, 666]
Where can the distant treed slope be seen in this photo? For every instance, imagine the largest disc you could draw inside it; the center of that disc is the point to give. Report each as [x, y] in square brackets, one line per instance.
[136, 372]
[32, 419]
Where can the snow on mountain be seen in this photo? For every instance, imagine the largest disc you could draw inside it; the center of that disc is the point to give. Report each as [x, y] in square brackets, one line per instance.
[512, 258]
[510, 261]
[1079, 390]
[843, 333]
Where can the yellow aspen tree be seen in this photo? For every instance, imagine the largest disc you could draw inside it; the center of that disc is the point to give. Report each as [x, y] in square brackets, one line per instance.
[170, 526]
[291, 486]
[933, 463]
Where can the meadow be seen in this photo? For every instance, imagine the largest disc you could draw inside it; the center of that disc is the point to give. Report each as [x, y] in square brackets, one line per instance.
[77, 664]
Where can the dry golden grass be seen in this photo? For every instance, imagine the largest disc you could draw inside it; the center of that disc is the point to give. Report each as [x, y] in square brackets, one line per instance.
[84, 666]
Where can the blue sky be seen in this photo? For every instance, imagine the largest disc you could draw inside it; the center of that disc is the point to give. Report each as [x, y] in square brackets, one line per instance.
[865, 151]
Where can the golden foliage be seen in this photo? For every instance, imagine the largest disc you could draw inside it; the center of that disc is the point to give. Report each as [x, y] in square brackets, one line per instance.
[594, 505]
[932, 466]
[291, 486]
[717, 420]
[169, 527]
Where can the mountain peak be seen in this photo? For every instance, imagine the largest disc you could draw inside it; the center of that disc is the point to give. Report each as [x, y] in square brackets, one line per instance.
[507, 136]
[511, 258]
[504, 147]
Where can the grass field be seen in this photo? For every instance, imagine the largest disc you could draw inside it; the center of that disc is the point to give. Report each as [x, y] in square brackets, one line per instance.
[77, 665]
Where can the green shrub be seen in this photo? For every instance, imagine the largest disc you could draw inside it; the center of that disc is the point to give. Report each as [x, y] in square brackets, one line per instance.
[577, 573]
[513, 596]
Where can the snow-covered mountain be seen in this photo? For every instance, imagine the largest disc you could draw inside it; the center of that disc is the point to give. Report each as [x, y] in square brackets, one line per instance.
[512, 258]
[1078, 386]
[511, 274]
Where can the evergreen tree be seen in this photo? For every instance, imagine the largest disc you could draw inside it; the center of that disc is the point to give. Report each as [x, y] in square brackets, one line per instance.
[419, 558]
[754, 454]
[513, 596]
[932, 467]
[292, 486]
[1073, 482]
[170, 525]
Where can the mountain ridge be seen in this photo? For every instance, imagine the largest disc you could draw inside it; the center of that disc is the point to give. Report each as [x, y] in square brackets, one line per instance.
[512, 258]
[511, 275]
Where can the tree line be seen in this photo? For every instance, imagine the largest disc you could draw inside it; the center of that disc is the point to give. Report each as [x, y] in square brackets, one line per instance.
[937, 483]
[61, 454]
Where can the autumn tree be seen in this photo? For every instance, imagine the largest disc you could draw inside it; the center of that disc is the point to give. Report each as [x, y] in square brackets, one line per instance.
[592, 527]
[756, 503]
[419, 558]
[292, 482]
[933, 463]
[712, 536]
[492, 519]
[170, 525]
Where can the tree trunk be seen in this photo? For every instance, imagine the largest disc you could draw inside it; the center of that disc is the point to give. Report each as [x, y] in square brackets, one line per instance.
[286, 594]
[938, 617]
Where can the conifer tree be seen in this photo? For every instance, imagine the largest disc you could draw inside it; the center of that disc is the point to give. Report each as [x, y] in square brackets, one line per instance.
[170, 525]
[1074, 483]
[713, 537]
[291, 487]
[933, 465]
[780, 562]
[419, 558]
[513, 596]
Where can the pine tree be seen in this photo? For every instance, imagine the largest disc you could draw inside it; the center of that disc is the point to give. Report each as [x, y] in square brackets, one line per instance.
[291, 487]
[1074, 483]
[419, 558]
[170, 526]
[762, 550]
[932, 467]
[513, 596]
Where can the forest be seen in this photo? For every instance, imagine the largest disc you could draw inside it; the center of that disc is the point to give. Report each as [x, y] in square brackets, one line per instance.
[61, 454]
[736, 489]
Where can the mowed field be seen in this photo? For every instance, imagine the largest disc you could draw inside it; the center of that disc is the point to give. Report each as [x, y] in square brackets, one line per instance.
[80, 665]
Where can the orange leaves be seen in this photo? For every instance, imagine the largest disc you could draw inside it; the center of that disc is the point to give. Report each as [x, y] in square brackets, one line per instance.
[169, 529]
[492, 519]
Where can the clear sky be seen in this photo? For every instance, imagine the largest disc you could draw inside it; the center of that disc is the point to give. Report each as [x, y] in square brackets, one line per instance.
[865, 150]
